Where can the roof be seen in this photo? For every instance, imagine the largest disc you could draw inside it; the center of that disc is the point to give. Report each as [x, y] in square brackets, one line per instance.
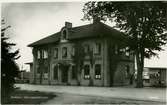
[29, 63]
[86, 31]
[157, 68]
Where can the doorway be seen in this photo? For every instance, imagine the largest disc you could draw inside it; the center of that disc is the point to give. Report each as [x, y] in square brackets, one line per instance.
[64, 73]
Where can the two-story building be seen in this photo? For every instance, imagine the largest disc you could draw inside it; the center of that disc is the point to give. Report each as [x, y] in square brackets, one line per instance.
[104, 60]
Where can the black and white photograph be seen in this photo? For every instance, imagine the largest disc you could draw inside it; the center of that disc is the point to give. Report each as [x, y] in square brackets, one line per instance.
[84, 52]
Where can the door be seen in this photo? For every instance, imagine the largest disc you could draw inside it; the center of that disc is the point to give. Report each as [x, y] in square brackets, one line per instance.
[64, 74]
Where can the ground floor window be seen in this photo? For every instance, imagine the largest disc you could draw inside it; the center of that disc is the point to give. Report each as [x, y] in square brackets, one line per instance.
[46, 69]
[86, 71]
[127, 71]
[74, 72]
[98, 71]
[55, 73]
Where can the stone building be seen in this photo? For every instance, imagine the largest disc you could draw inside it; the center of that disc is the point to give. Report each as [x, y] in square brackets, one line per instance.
[100, 50]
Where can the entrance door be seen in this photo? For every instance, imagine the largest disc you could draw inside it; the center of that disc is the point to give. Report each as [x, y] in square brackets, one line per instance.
[64, 74]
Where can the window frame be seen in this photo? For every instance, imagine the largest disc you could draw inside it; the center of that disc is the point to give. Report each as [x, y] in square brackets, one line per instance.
[64, 56]
[127, 67]
[38, 54]
[86, 70]
[55, 55]
[45, 54]
[99, 74]
[127, 53]
[86, 48]
[98, 48]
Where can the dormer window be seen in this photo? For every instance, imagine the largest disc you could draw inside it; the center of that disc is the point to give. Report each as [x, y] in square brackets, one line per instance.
[64, 35]
[65, 32]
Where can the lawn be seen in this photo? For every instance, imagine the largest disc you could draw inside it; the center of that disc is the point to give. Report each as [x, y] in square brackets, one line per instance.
[29, 97]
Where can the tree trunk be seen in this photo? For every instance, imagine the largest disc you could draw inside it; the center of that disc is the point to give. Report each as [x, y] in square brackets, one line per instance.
[140, 64]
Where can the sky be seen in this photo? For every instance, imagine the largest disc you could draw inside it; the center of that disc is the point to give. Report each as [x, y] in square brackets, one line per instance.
[32, 21]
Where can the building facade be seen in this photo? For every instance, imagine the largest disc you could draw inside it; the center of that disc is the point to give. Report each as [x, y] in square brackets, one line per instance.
[156, 76]
[89, 55]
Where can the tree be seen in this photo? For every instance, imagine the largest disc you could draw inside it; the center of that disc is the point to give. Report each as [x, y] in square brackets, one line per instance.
[9, 68]
[144, 23]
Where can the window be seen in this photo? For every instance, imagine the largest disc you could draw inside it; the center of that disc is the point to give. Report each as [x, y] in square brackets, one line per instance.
[116, 49]
[127, 71]
[73, 51]
[45, 76]
[74, 72]
[45, 54]
[127, 51]
[56, 53]
[38, 54]
[98, 71]
[45, 69]
[86, 48]
[122, 50]
[64, 35]
[86, 72]
[55, 73]
[64, 52]
[98, 48]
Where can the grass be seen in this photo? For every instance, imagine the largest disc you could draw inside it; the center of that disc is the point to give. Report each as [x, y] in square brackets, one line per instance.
[29, 97]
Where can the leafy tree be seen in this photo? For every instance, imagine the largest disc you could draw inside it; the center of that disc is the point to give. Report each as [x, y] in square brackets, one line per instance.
[9, 68]
[143, 22]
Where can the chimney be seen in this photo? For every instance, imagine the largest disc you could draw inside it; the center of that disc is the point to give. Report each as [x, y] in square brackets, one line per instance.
[96, 19]
[68, 25]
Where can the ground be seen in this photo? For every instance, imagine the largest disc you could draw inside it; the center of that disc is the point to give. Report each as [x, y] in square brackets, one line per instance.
[29, 97]
[98, 95]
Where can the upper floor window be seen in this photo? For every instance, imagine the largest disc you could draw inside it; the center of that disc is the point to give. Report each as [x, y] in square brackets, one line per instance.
[127, 51]
[64, 52]
[98, 71]
[38, 54]
[86, 71]
[86, 48]
[122, 50]
[127, 70]
[73, 51]
[116, 49]
[45, 54]
[98, 48]
[55, 53]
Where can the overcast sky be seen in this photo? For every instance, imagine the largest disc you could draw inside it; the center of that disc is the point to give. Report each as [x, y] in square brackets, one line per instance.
[33, 21]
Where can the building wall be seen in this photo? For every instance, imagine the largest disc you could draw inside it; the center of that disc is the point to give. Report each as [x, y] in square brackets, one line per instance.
[31, 73]
[158, 77]
[119, 78]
